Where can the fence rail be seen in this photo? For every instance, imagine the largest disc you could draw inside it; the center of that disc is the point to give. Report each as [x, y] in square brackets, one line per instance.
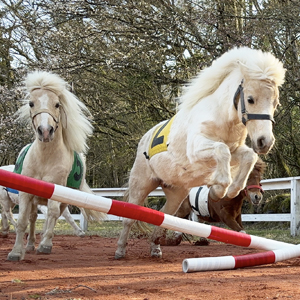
[289, 183]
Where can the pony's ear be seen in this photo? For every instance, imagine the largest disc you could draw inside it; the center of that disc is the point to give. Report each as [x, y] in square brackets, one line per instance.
[244, 69]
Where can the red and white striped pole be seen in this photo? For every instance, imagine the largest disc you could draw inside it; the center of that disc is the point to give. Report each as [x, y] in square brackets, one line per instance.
[240, 261]
[128, 210]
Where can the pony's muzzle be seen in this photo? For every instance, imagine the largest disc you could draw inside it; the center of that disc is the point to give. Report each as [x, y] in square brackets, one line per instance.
[256, 198]
[263, 145]
[45, 134]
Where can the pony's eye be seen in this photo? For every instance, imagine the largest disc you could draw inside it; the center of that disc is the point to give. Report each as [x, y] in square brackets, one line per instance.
[57, 105]
[250, 100]
[31, 104]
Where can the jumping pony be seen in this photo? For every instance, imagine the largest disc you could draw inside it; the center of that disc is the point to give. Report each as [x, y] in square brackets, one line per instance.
[61, 127]
[236, 96]
[8, 200]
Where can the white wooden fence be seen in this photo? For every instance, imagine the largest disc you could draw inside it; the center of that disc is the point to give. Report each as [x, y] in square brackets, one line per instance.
[289, 183]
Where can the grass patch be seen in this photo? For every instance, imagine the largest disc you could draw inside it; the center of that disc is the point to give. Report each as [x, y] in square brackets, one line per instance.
[279, 231]
[105, 229]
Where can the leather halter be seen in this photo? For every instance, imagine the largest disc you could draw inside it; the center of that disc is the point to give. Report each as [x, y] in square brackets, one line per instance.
[247, 188]
[56, 120]
[245, 115]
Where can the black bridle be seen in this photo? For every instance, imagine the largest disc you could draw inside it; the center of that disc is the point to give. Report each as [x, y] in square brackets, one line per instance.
[245, 115]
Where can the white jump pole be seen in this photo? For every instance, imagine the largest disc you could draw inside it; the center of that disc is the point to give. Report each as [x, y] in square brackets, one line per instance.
[128, 210]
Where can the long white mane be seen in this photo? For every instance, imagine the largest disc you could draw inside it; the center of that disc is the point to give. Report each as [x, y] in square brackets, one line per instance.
[253, 64]
[76, 125]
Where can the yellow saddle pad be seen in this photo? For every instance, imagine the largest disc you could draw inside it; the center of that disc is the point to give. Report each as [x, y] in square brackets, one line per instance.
[159, 139]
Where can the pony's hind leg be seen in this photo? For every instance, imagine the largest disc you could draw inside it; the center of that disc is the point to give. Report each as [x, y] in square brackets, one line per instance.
[175, 196]
[78, 231]
[4, 224]
[6, 212]
[138, 190]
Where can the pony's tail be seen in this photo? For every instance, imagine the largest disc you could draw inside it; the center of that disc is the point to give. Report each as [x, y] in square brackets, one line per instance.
[89, 214]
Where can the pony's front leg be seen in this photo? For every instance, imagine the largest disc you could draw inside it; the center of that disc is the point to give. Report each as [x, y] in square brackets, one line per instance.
[31, 236]
[212, 155]
[244, 158]
[18, 251]
[45, 246]
[6, 213]
[230, 221]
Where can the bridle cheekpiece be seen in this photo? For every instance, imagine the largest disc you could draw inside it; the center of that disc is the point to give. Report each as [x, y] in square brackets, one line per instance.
[239, 94]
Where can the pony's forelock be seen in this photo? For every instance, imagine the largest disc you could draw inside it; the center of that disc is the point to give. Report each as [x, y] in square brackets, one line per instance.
[76, 124]
[260, 166]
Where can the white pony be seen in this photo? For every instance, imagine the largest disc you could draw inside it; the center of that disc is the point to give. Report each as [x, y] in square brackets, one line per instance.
[61, 129]
[9, 200]
[237, 95]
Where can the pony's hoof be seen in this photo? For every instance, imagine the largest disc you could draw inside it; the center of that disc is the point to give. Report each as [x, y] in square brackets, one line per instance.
[156, 253]
[15, 257]
[217, 192]
[44, 250]
[30, 248]
[119, 255]
[81, 234]
[232, 194]
[155, 250]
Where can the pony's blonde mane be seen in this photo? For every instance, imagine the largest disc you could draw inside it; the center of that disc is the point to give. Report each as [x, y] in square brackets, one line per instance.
[253, 64]
[74, 120]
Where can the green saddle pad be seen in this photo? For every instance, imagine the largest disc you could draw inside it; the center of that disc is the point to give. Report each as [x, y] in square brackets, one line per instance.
[75, 177]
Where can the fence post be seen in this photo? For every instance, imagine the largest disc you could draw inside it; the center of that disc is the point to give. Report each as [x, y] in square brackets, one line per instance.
[83, 223]
[295, 206]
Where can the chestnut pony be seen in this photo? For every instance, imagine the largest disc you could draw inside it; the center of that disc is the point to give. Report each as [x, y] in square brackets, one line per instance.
[226, 210]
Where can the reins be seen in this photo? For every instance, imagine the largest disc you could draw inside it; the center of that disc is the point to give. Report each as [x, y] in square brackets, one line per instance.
[245, 115]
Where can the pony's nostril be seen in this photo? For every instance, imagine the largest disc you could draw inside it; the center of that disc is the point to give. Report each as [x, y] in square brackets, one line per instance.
[261, 143]
[51, 131]
[40, 132]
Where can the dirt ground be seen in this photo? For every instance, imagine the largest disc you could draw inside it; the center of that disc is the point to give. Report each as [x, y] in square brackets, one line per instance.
[85, 268]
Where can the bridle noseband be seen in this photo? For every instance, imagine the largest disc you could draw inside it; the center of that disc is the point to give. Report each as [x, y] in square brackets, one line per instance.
[56, 120]
[245, 115]
[248, 187]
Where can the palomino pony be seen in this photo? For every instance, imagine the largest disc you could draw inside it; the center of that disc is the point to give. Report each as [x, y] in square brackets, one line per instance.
[226, 210]
[237, 95]
[61, 129]
[8, 200]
